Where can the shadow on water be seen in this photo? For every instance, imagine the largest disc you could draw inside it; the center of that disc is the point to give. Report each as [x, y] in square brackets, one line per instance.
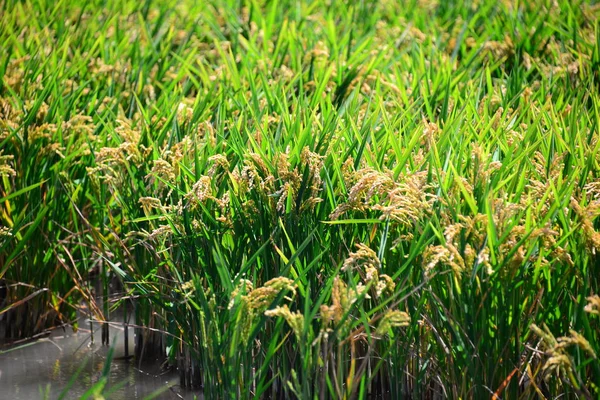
[28, 370]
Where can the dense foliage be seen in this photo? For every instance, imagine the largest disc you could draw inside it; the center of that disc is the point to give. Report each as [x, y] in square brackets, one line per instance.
[319, 199]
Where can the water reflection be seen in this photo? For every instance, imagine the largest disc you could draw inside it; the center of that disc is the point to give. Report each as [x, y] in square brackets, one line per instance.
[48, 364]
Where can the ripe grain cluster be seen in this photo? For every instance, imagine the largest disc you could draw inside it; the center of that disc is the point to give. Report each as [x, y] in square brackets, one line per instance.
[321, 199]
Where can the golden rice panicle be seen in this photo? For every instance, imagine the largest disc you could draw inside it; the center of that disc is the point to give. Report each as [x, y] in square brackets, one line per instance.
[482, 167]
[281, 283]
[592, 190]
[339, 303]
[447, 254]
[404, 202]
[368, 265]
[260, 298]
[282, 163]
[431, 132]
[127, 130]
[443, 255]
[207, 133]
[586, 217]
[184, 112]
[371, 274]
[283, 193]
[15, 74]
[188, 287]
[348, 172]
[165, 231]
[314, 163]
[327, 314]
[113, 163]
[201, 192]
[6, 168]
[499, 50]
[256, 301]
[162, 171]
[162, 176]
[244, 286]
[255, 175]
[369, 184]
[150, 203]
[79, 124]
[408, 202]
[593, 305]
[385, 284]
[5, 234]
[219, 162]
[576, 339]
[319, 51]
[392, 319]
[10, 118]
[287, 176]
[259, 162]
[178, 152]
[342, 299]
[294, 319]
[547, 337]
[41, 132]
[363, 258]
[548, 238]
[559, 362]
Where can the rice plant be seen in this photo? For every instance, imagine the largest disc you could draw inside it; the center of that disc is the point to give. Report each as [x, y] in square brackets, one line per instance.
[317, 199]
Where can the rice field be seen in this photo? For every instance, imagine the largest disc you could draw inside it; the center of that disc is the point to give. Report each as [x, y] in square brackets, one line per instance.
[311, 199]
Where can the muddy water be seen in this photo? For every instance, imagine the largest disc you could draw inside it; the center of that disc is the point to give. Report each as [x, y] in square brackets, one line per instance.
[48, 364]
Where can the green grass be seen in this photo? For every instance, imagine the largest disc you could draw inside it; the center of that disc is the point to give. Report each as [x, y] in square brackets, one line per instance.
[318, 199]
